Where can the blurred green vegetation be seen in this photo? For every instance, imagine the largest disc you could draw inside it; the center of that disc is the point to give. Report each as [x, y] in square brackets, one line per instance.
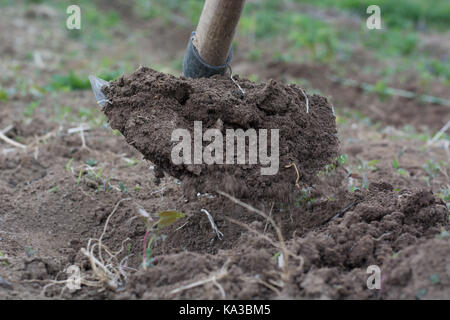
[298, 31]
[72, 81]
[96, 24]
[315, 38]
[398, 13]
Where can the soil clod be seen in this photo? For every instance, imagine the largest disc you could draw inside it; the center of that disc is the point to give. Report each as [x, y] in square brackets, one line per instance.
[148, 106]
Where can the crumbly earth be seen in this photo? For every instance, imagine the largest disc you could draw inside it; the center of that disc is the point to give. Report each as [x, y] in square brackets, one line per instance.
[384, 228]
[148, 106]
[58, 193]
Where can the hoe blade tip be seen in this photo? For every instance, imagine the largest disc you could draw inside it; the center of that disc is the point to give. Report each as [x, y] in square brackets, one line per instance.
[97, 85]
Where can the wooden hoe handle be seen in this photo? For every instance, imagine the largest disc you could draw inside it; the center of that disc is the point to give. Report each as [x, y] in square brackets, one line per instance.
[216, 29]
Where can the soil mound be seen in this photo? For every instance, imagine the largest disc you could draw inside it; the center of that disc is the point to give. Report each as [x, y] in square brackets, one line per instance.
[147, 106]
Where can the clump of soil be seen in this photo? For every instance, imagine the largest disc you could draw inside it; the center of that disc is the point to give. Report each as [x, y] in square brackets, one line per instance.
[147, 106]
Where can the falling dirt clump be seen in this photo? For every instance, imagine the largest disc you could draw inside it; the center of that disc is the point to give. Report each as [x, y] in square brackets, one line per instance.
[147, 106]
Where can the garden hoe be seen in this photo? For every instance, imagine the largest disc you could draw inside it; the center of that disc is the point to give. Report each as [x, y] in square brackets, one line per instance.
[209, 50]
[151, 109]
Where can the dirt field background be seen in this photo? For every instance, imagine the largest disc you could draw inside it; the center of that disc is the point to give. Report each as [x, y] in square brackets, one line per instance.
[66, 177]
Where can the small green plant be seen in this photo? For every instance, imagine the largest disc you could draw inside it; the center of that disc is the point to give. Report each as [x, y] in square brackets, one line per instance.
[421, 293]
[153, 232]
[91, 162]
[434, 279]
[342, 159]
[79, 176]
[305, 197]
[330, 168]
[431, 168]
[132, 162]
[395, 164]
[29, 111]
[368, 165]
[444, 194]
[29, 252]
[276, 255]
[116, 133]
[380, 88]
[54, 189]
[3, 95]
[122, 187]
[3, 258]
[69, 165]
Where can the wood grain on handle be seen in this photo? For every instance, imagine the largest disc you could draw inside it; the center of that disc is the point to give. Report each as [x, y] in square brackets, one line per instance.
[216, 29]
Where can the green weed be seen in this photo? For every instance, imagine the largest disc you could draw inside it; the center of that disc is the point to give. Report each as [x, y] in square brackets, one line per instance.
[153, 232]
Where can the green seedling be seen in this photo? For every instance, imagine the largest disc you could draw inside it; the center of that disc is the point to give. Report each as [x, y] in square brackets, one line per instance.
[444, 194]
[434, 279]
[369, 165]
[69, 164]
[116, 133]
[29, 111]
[79, 176]
[275, 256]
[395, 164]
[91, 162]
[431, 168]
[29, 252]
[55, 189]
[3, 95]
[330, 168]
[122, 187]
[421, 293]
[3, 258]
[132, 162]
[153, 229]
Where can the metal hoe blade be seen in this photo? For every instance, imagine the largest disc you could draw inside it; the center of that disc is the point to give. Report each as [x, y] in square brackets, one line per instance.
[97, 84]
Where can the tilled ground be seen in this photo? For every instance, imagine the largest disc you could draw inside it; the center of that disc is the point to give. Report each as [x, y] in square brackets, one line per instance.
[66, 186]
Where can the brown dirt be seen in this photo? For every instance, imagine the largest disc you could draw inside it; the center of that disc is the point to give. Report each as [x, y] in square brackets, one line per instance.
[394, 110]
[336, 253]
[49, 211]
[147, 106]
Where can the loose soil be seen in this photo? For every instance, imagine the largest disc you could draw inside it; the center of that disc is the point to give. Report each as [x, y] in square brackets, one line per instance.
[148, 106]
[51, 205]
